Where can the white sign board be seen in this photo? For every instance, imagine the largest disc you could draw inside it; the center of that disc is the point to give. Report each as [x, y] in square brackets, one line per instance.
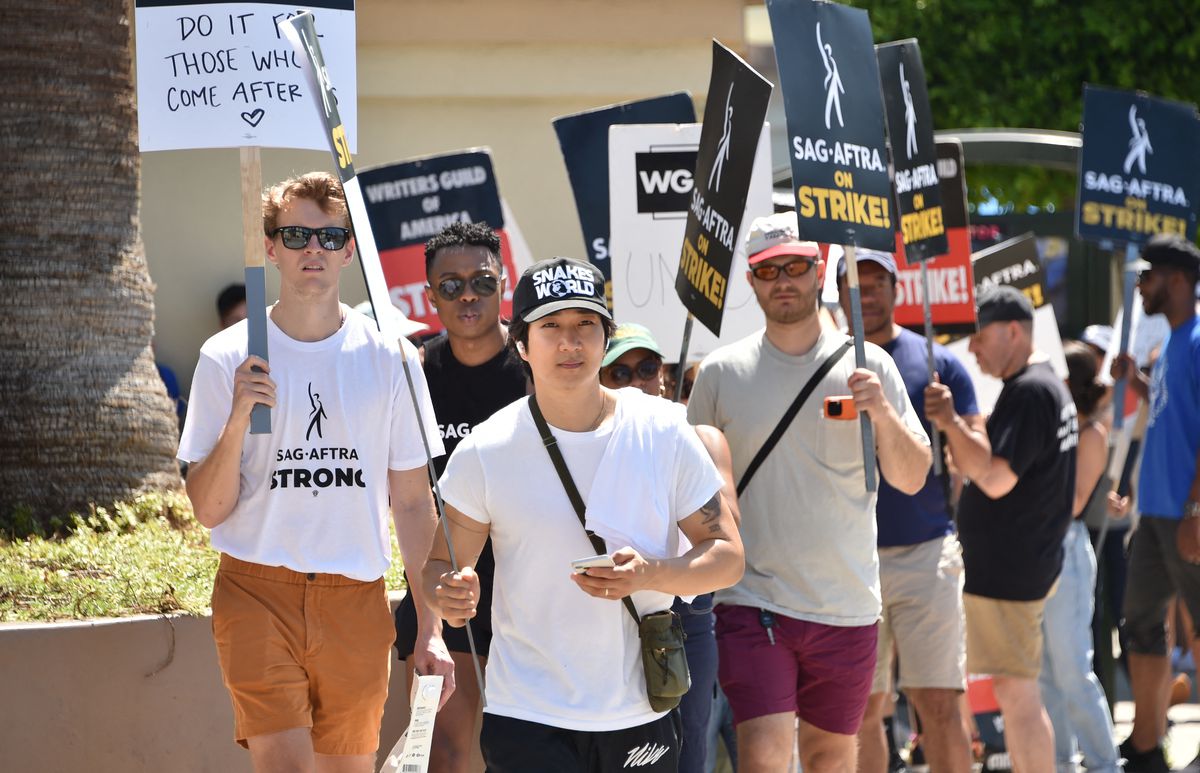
[650, 183]
[221, 75]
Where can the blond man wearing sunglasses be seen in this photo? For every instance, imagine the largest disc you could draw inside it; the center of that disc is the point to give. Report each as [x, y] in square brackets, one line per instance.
[300, 612]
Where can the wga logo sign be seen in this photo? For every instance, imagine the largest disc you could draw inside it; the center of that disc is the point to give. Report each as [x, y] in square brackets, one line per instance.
[1139, 142]
[664, 181]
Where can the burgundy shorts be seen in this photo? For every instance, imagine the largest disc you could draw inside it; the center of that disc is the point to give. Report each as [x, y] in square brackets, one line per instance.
[820, 672]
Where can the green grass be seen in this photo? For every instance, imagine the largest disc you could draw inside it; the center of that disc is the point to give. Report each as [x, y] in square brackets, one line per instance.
[146, 556]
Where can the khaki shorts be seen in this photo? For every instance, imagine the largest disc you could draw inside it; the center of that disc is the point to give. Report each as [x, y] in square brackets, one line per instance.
[303, 650]
[1004, 638]
[922, 616]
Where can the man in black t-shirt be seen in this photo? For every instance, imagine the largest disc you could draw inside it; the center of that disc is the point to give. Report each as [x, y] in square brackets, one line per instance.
[1013, 516]
[471, 375]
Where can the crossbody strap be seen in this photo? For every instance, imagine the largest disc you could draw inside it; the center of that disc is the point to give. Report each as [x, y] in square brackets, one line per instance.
[560, 466]
[792, 410]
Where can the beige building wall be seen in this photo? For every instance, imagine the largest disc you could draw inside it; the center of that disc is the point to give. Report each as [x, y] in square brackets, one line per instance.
[437, 76]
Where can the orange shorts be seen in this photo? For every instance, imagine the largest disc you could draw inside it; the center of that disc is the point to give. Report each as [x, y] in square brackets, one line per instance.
[303, 650]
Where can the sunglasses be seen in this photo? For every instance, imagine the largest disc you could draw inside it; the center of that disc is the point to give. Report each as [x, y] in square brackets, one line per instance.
[295, 237]
[453, 287]
[769, 272]
[623, 375]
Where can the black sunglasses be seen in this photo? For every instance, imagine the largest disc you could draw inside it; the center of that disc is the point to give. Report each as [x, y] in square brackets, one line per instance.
[295, 237]
[453, 287]
[793, 268]
[622, 375]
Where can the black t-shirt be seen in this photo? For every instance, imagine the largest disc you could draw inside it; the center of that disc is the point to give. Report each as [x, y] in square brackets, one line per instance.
[463, 397]
[1012, 546]
[466, 396]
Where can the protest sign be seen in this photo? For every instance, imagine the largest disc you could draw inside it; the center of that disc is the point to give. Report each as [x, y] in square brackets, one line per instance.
[650, 184]
[831, 93]
[1139, 174]
[914, 154]
[1014, 262]
[729, 140]
[839, 170]
[917, 186]
[951, 279]
[221, 75]
[1139, 170]
[410, 202]
[583, 139]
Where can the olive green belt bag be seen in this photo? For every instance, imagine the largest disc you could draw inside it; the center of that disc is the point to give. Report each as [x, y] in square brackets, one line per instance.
[663, 658]
[661, 633]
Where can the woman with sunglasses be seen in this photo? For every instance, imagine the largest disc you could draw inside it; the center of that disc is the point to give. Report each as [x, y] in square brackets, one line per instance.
[634, 359]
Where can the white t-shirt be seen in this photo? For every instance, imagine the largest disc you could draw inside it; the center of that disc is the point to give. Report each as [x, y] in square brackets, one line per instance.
[808, 523]
[560, 657]
[314, 493]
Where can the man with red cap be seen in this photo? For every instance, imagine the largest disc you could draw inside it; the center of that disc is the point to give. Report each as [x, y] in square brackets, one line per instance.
[797, 634]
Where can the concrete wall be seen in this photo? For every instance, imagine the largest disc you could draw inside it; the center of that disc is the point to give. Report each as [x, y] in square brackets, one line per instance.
[436, 76]
[112, 696]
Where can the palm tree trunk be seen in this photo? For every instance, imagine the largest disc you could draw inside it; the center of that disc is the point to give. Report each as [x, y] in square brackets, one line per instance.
[84, 416]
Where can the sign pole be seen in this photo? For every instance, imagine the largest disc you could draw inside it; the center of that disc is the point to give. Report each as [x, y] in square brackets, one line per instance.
[302, 34]
[860, 360]
[1131, 256]
[936, 438]
[256, 280]
[682, 368]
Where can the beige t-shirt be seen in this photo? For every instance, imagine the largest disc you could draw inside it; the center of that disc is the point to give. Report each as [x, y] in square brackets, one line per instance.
[808, 523]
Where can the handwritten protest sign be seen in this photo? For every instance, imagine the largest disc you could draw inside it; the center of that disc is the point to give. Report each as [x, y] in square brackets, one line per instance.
[410, 202]
[221, 75]
[729, 141]
[583, 139]
[650, 183]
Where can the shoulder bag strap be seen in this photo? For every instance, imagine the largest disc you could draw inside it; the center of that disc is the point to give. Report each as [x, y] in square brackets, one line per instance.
[560, 466]
[792, 410]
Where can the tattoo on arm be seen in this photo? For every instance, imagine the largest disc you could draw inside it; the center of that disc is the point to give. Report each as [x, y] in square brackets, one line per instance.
[711, 510]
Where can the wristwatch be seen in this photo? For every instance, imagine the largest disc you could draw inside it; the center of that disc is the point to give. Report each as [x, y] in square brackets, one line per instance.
[1191, 509]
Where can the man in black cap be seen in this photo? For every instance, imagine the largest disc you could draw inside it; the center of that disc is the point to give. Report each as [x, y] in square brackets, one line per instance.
[565, 685]
[1013, 516]
[1164, 555]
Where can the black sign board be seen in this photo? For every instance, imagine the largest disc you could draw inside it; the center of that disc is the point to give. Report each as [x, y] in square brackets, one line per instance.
[410, 202]
[831, 95]
[733, 122]
[1013, 262]
[914, 153]
[583, 139]
[1139, 171]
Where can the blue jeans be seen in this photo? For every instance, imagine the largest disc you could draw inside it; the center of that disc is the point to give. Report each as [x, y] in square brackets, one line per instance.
[701, 648]
[1071, 692]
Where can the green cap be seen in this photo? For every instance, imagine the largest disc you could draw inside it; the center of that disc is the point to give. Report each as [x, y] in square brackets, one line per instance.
[629, 336]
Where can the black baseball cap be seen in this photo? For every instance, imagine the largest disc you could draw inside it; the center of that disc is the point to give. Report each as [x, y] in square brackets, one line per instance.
[1169, 251]
[556, 284]
[1002, 303]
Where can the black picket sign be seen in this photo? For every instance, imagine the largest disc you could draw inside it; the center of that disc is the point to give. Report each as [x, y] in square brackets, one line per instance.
[914, 152]
[1139, 171]
[583, 139]
[733, 120]
[409, 202]
[831, 95]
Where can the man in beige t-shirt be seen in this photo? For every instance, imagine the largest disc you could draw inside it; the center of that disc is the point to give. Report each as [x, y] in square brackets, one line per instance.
[797, 635]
